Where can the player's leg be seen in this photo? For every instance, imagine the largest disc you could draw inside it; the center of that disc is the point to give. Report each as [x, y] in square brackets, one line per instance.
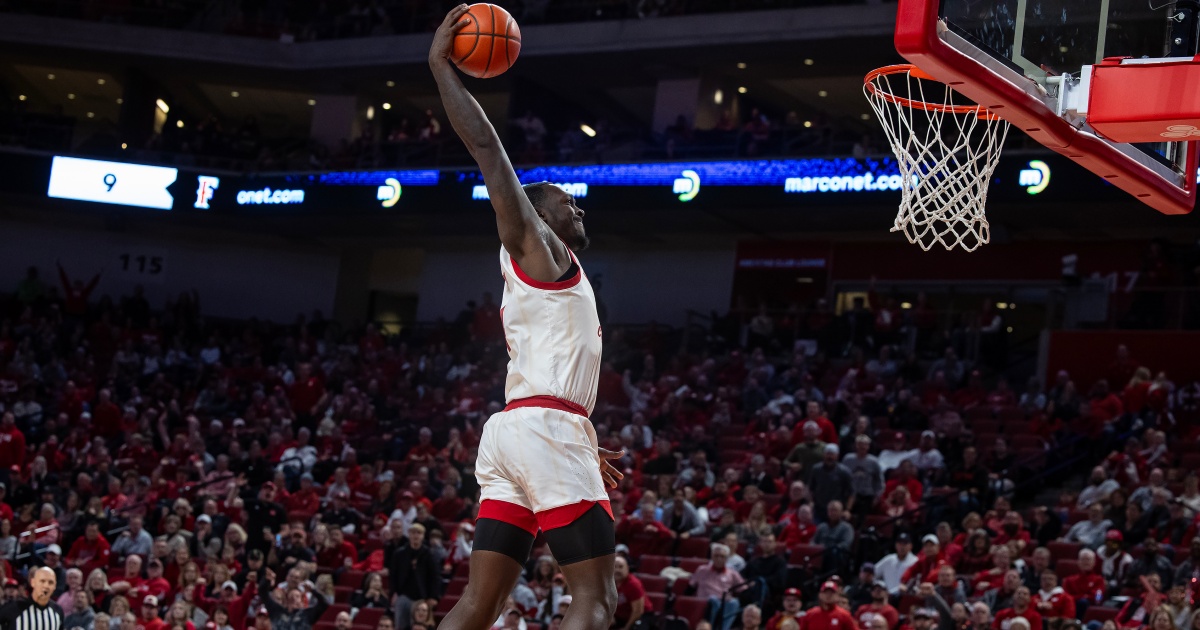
[504, 534]
[493, 574]
[585, 552]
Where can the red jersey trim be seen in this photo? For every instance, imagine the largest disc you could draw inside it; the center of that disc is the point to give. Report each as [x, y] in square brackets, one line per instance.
[548, 402]
[548, 286]
[520, 516]
[567, 514]
[511, 513]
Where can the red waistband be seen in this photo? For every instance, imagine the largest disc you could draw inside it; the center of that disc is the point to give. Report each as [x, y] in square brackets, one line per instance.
[548, 402]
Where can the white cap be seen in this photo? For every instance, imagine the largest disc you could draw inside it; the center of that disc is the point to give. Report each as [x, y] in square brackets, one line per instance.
[930, 538]
[230, 584]
[54, 549]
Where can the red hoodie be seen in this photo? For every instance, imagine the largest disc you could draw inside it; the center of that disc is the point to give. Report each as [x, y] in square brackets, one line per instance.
[12, 447]
[89, 555]
[237, 607]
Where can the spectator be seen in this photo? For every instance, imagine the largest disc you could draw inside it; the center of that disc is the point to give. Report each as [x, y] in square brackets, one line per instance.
[894, 566]
[1052, 602]
[792, 610]
[1115, 564]
[827, 615]
[1088, 586]
[293, 614]
[371, 595]
[751, 618]
[835, 535]
[1151, 561]
[878, 606]
[1098, 489]
[679, 515]
[633, 605]
[768, 567]
[715, 582]
[830, 481]
[413, 574]
[1091, 532]
[1003, 595]
[1021, 609]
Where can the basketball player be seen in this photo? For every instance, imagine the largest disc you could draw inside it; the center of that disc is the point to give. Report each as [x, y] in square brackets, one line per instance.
[38, 613]
[539, 464]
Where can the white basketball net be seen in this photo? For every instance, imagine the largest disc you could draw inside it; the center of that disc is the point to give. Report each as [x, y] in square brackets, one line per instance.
[947, 153]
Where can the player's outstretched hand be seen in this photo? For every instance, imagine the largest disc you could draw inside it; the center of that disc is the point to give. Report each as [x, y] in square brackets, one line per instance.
[611, 475]
[443, 38]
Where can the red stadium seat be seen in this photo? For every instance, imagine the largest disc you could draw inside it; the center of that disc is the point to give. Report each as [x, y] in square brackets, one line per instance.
[690, 609]
[1066, 568]
[456, 586]
[331, 613]
[341, 594]
[369, 616]
[809, 556]
[1100, 614]
[653, 583]
[351, 578]
[653, 564]
[1063, 550]
[658, 600]
[693, 548]
[445, 604]
[691, 564]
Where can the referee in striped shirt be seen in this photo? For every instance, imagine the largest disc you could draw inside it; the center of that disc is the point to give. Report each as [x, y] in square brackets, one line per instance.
[38, 613]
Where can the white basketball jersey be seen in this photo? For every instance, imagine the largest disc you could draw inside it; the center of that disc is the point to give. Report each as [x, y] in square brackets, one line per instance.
[553, 336]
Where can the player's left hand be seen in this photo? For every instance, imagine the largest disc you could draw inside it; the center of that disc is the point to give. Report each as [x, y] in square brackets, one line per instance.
[611, 475]
[443, 38]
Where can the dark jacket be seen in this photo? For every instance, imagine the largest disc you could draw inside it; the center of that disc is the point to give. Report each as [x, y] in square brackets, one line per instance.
[414, 573]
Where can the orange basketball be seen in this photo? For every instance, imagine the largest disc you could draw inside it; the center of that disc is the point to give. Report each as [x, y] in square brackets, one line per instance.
[489, 44]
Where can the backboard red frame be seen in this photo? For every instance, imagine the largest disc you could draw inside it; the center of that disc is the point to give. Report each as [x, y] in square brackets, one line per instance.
[1024, 104]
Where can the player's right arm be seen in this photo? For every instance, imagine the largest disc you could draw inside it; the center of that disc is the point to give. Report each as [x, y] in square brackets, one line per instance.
[522, 232]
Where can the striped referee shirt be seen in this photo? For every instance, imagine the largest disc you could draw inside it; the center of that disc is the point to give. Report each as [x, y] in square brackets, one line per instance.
[26, 614]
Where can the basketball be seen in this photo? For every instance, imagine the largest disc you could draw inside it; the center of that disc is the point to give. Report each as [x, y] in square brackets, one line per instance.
[489, 44]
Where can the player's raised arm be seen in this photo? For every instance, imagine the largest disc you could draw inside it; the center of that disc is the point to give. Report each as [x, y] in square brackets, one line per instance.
[521, 230]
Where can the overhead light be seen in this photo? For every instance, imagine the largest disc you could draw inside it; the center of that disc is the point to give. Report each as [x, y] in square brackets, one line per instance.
[312, 101]
[100, 81]
[718, 96]
[120, 101]
[234, 94]
[808, 62]
[179, 124]
[162, 106]
[391, 84]
[50, 76]
[906, 305]
[1002, 306]
[587, 131]
[1012, 307]
[91, 114]
[807, 124]
[741, 65]
[1010, 329]
[370, 112]
[742, 90]
[822, 93]
[124, 146]
[387, 105]
[21, 97]
[71, 97]
[866, 117]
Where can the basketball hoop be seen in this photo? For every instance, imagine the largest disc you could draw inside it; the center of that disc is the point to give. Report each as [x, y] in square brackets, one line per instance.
[946, 152]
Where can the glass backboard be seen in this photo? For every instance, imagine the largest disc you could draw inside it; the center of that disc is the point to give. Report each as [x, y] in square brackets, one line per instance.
[1004, 54]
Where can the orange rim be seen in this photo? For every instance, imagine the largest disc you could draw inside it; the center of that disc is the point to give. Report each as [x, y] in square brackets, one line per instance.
[913, 71]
